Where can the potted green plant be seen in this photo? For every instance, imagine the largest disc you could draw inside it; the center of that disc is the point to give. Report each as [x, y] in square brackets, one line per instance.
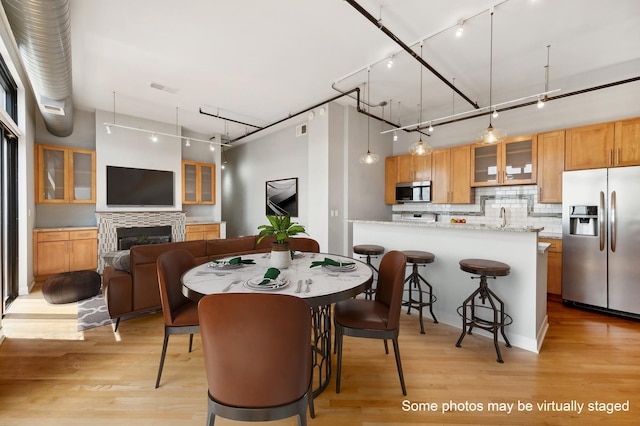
[280, 227]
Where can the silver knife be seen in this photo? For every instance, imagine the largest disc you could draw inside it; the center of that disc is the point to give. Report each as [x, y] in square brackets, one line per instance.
[299, 286]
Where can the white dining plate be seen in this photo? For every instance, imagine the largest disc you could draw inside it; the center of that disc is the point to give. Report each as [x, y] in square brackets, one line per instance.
[278, 283]
[225, 265]
[343, 268]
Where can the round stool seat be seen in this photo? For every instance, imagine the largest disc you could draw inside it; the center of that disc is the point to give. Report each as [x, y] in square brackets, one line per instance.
[71, 286]
[489, 268]
[368, 249]
[416, 256]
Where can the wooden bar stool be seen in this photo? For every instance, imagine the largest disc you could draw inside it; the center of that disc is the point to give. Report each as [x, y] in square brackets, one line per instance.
[415, 259]
[369, 250]
[485, 269]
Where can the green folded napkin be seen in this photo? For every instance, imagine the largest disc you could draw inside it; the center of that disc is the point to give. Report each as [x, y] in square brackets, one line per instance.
[235, 261]
[329, 262]
[271, 274]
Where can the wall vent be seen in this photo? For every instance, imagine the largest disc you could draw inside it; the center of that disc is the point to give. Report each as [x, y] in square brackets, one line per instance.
[301, 130]
[52, 106]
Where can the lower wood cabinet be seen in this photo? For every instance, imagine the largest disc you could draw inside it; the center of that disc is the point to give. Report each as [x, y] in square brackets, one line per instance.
[202, 231]
[56, 251]
[554, 265]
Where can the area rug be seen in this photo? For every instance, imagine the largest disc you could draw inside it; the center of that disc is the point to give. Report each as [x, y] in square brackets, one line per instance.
[92, 312]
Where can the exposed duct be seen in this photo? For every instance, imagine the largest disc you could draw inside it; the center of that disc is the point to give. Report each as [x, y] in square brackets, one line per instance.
[42, 29]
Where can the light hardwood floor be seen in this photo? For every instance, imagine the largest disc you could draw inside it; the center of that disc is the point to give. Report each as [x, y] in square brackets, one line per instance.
[51, 374]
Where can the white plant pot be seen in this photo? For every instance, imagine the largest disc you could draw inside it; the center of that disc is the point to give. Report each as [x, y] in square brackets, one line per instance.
[280, 259]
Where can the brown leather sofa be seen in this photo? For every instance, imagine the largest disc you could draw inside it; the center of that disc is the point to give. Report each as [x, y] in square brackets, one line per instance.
[137, 291]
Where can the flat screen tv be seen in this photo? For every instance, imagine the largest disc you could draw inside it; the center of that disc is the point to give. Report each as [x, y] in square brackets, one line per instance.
[128, 186]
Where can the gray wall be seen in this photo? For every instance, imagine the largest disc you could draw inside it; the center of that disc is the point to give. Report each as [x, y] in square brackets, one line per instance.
[333, 186]
[83, 136]
[279, 155]
[125, 148]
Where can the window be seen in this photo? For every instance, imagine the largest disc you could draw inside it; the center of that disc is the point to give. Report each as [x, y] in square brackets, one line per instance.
[8, 91]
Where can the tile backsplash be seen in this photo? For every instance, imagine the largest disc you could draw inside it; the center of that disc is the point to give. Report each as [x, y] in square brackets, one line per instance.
[520, 204]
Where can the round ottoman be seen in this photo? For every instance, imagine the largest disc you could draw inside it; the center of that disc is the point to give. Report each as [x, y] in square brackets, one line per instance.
[71, 286]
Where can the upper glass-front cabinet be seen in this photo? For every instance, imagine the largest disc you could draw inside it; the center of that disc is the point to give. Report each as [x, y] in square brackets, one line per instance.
[512, 162]
[65, 175]
[198, 183]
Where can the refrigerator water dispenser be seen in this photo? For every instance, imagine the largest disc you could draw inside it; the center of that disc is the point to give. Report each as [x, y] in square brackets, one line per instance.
[583, 220]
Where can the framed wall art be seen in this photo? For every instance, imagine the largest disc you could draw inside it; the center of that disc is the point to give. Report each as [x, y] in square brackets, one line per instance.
[282, 197]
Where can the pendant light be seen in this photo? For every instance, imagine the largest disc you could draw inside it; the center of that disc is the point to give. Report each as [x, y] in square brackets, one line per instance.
[420, 147]
[369, 158]
[491, 134]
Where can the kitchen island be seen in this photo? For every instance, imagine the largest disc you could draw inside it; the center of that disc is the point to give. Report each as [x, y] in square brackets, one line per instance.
[524, 290]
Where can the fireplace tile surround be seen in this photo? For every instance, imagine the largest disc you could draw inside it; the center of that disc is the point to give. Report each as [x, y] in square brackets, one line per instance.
[108, 222]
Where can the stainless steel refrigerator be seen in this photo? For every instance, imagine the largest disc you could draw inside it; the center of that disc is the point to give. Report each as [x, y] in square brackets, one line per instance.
[601, 238]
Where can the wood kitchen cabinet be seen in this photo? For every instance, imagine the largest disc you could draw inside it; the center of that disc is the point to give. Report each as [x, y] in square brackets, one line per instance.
[198, 183]
[589, 147]
[390, 179]
[512, 162]
[413, 168]
[404, 168]
[550, 166]
[450, 171]
[202, 231]
[554, 265]
[627, 142]
[611, 144]
[65, 175]
[56, 251]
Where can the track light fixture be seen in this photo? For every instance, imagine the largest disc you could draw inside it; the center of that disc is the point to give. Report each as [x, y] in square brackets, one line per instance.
[187, 142]
[390, 62]
[460, 29]
[430, 128]
[491, 135]
[153, 137]
[420, 147]
[211, 147]
[108, 130]
[495, 113]
[369, 158]
[540, 102]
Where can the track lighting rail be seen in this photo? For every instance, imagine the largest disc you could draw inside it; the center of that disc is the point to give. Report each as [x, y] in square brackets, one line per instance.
[408, 49]
[153, 132]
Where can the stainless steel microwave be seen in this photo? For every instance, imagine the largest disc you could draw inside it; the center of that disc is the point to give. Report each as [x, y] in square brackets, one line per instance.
[413, 192]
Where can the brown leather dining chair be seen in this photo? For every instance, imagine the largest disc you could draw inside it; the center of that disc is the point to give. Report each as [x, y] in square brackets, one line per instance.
[378, 318]
[180, 313]
[257, 356]
[304, 244]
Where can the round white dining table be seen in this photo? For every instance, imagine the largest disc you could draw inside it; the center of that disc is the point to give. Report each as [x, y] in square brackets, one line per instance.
[319, 286]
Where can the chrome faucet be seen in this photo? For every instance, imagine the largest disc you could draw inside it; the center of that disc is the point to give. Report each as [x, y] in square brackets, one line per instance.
[503, 216]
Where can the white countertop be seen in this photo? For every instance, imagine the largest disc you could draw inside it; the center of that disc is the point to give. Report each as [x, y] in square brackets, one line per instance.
[462, 226]
[65, 228]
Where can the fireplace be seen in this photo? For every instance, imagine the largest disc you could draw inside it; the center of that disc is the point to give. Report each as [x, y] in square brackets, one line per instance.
[109, 222]
[141, 235]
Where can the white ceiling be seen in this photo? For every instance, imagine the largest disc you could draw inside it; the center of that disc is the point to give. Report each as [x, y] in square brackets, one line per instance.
[260, 61]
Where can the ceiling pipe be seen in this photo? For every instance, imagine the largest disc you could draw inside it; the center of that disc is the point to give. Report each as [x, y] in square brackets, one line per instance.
[357, 90]
[410, 51]
[42, 30]
[550, 98]
[228, 119]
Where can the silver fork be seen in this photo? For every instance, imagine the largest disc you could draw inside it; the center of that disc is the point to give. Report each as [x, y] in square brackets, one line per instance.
[308, 282]
[230, 284]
